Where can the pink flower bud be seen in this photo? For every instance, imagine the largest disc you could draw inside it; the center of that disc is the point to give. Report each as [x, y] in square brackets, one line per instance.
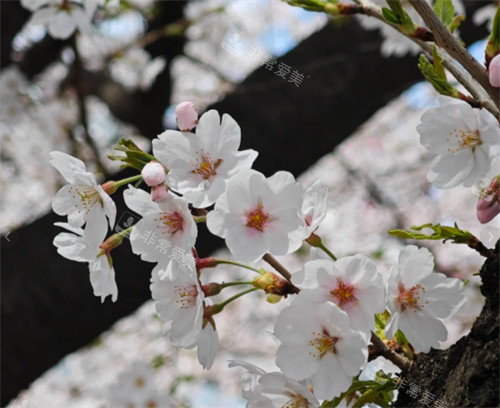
[487, 209]
[494, 71]
[153, 174]
[159, 193]
[187, 117]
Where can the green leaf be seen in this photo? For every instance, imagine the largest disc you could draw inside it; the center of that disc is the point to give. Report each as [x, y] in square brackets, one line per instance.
[445, 11]
[493, 46]
[390, 17]
[444, 232]
[366, 398]
[434, 76]
[438, 63]
[457, 20]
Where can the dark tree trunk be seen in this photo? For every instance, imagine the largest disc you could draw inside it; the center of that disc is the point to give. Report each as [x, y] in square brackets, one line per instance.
[467, 373]
[47, 305]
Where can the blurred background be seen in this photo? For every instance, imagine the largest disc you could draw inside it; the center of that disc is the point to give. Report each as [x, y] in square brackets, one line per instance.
[330, 100]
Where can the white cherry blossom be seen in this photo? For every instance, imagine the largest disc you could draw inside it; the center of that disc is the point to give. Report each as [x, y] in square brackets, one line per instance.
[314, 207]
[352, 283]
[419, 299]
[273, 390]
[82, 199]
[208, 345]
[137, 388]
[200, 164]
[317, 341]
[165, 234]
[135, 69]
[179, 302]
[466, 141]
[258, 215]
[61, 17]
[84, 246]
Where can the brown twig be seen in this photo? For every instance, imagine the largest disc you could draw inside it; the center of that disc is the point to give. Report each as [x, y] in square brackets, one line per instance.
[271, 260]
[447, 41]
[381, 348]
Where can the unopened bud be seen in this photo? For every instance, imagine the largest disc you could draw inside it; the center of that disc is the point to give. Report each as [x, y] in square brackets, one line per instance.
[187, 117]
[153, 174]
[487, 209]
[159, 193]
[112, 242]
[109, 187]
[494, 71]
[211, 289]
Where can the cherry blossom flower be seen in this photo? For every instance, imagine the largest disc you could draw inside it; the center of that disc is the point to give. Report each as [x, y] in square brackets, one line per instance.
[61, 17]
[82, 199]
[258, 215]
[488, 208]
[208, 345]
[85, 246]
[187, 116]
[137, 388]
[135, 69]
[494, 71]
[179, 302]
[165, 234]
[153, 174]
[317, 341]
[352, 283]
[200, 164]
[314, 207]
[419, 299]
[466, 140]
[273, 390]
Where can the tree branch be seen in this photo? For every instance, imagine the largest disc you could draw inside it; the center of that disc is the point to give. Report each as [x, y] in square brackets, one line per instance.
[446, 40]
[381, 348]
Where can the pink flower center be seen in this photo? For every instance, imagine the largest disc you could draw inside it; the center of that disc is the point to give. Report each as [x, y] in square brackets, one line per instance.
[205, 166]
[258, 219]
[344, 294]
[172, 222]
[186, 296]
[323, 344]
[463, 139]
[410, 298]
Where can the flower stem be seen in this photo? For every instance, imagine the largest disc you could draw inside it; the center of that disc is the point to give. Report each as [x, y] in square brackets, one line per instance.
[242, 265]
[271, 260]
[327, 251]
[235, 283]
[226, 302]
[120, 183]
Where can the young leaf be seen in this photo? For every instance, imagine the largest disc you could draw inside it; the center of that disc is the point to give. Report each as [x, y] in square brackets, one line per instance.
[438, 63]
[445, 11]
[389, 16]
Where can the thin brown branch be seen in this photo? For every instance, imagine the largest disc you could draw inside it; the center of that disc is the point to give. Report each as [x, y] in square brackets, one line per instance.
[271, 260]
[446, 40]
[381, 348]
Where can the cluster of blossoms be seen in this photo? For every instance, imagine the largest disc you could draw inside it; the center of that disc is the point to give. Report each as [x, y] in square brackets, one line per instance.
[204, 177]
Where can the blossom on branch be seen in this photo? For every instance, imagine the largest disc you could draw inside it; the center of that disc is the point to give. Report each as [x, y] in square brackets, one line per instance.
[258, 215]
[352, 283]
[82, 199]
[466, 141]
[61, 17]
[318, 341]
[419, 299]
[200, 164]
[84, 246]
[273, 390]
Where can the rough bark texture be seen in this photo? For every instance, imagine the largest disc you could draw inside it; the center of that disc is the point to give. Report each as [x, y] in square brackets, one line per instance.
[47, 305]
[466, 374]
